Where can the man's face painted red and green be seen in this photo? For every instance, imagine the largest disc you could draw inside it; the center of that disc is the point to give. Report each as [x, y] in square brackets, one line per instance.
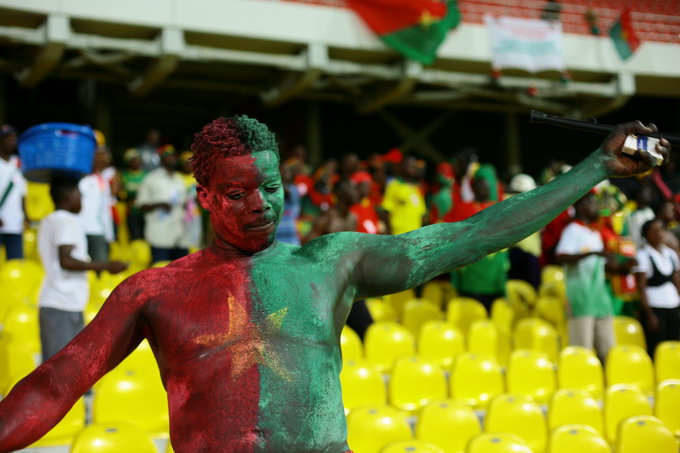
[245, 200]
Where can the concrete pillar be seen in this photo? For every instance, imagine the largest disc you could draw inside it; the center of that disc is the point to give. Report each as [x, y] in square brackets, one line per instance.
[314, 134]
[513, 155]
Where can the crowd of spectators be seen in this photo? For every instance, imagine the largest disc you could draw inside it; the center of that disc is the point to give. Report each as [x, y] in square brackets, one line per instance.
[391, 193]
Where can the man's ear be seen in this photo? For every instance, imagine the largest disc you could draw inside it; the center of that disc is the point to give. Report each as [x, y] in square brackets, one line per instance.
[204, 197]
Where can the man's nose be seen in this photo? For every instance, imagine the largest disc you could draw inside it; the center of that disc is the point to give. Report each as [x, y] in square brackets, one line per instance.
[259, 202]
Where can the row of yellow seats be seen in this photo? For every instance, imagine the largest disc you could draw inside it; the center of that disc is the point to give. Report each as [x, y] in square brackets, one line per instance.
[513, 425]
[132, 394]
[475, 381]
[463, 312]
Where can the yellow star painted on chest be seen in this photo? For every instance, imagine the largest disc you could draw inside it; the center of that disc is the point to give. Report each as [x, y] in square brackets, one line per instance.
[426, 19]
[249, 342]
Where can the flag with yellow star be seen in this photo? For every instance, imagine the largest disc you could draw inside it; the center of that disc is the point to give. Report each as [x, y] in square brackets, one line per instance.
[623, 36]
[414, 28]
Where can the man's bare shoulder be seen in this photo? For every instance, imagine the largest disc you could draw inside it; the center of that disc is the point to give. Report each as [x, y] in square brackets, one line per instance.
[334, 245]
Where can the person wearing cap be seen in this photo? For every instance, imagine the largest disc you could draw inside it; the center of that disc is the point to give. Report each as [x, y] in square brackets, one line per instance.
[131, 178]
[13, 217]
[161, 197]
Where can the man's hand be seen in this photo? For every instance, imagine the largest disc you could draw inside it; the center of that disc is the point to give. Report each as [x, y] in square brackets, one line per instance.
[116, 267]
[621, 164]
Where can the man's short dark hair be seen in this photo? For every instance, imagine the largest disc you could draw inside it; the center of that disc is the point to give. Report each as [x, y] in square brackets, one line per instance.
[60, 185]
[224, 137]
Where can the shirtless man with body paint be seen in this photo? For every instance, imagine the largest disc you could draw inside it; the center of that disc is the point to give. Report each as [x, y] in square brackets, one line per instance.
[246, 332]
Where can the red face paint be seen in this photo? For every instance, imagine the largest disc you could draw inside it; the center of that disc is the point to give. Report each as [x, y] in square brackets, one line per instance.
[245, 200]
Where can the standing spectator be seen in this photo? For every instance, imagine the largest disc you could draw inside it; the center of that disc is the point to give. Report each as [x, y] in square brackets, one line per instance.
[131, 179]
[62, 246]
[484, 280]
[13, 218]
[193, 225]
[658, 279]
[642, 213]
[581, 251]
[96, 215]
[370, 218]
[288, 231]
[147, 150]
[525, 255]
[161, 197]
[403, 199]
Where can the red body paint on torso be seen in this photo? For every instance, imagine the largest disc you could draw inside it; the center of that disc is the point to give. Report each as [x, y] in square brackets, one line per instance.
[209, 332]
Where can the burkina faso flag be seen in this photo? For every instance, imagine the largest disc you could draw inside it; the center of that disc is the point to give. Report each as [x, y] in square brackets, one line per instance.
[414, 28]
[623, 36]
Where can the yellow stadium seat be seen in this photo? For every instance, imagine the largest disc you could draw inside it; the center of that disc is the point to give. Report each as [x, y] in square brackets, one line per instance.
[414, 383]
[520, 291]
[557, 289]
[22, 273]
[579, 368]
[623, 401]
[462, 312]
[475, 379]
[644, 433]
[448, 424]
[38, 200]
[31, 244]
[486, 339]
[161, 263]
[576, 438]
[16, 361]
[398, 300]
[532, 374]
[498, 443]
[439, 292]
[537, 335]
[411, 446]
[552, 273]
[503, 315]
[552, 310]
[667, 404]
[629, 364]
[569, 407]
[385, 342]
[141, 360]
[667, 361]
[440, 341]
[128, 396]
[520, 416]
[140, 252]
[629, 331]
[112, 438]
[12, 295]
[369, 429]
[417, 312]
[362, 385]
[350, 344]
[21, 326]
[381, 310]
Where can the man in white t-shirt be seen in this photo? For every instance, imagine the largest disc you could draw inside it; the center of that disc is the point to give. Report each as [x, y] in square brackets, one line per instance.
[62, 246]
[161, 197]
[12, 196]
[581, 252]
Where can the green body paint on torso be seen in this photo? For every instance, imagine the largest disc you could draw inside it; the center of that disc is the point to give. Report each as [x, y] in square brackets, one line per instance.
[300, 397]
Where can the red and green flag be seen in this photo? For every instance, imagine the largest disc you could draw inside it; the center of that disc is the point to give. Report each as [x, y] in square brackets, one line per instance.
[624, 37]
[414, 28]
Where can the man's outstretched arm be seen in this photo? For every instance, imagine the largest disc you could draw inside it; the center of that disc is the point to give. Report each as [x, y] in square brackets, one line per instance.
[42, 398]
[391, 264]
